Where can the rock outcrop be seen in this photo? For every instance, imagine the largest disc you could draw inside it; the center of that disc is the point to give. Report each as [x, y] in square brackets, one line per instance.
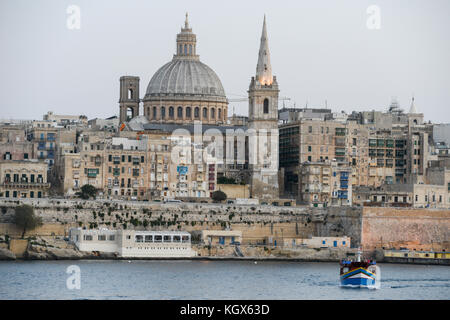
[5, 254]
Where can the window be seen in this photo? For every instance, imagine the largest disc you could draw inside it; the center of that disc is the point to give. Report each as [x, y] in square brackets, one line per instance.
[112, 237]
[188, 112]
[87, 237]
[171, 113]
[213, 113]
[266, 105]
[101, 237]
[180, 113]
[205, 113]
[139, 238]
[148, 238]
[163, 112]
[196, 113]
[154, 113]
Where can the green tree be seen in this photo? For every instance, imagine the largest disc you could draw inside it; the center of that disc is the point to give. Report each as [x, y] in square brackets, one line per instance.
[219, 196]
[25, 218]
[87, 191]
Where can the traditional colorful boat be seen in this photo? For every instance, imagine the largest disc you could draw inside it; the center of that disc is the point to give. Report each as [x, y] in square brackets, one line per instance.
[361, 273]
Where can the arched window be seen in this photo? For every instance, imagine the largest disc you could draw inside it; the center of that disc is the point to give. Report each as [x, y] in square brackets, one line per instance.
[163, 112]
[185, 49]
[171, 113]
[213, 113]
[205, 113]
[266, 105]
[130, 93]
[154, 113]
[180, 113]
[190, 49]
[196, 113]
[219, 114]
[130, 113]
[188, 112]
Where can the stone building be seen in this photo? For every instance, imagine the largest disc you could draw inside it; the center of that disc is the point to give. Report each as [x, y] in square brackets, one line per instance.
[13, 143]
[42, 134]
[64, 120]
[325, 183]
[23, 179]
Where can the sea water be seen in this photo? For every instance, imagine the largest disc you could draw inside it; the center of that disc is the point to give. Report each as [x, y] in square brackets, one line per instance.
[212, 280]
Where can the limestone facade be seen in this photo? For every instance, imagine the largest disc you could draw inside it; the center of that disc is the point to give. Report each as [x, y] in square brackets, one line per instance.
[23, 179]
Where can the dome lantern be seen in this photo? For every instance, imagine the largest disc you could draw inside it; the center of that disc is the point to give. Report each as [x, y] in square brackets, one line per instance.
[186, 43]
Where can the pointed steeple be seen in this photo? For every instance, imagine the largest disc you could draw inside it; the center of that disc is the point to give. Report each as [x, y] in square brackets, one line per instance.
[413, 107]
[186, 22]
[264, 68]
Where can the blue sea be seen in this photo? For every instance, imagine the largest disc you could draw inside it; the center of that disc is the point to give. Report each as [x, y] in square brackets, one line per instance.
[211, 280]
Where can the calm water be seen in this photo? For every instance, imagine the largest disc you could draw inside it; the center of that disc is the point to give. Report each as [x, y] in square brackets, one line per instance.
[213, 280]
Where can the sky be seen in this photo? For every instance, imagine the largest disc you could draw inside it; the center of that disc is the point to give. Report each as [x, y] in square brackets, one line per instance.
[322, 51]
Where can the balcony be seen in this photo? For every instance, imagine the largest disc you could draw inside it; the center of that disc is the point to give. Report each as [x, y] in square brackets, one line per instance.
[25, 185]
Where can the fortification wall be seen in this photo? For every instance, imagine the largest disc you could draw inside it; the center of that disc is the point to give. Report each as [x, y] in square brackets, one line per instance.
[420, 229]
[373, 227]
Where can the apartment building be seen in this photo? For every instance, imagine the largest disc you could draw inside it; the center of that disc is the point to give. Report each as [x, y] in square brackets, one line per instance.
[23, 179]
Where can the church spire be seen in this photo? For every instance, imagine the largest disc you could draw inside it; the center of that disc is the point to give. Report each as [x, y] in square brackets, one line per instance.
[264, 68]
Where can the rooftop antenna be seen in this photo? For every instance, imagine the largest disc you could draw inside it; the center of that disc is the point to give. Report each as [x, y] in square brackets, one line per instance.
[326, 104]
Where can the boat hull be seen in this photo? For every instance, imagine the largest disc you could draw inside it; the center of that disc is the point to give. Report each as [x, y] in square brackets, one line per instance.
[358, 278]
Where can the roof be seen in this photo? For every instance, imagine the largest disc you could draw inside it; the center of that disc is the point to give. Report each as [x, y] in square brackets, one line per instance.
[185, 77]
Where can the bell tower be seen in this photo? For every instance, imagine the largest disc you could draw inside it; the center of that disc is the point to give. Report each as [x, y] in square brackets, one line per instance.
[263, 122]
[129, 98]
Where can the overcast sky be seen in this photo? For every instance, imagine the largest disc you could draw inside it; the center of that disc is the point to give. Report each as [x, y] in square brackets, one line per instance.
[320, 50]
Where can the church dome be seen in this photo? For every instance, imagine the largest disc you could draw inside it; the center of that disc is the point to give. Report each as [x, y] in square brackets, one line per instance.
[185, 90]
[185, 76]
